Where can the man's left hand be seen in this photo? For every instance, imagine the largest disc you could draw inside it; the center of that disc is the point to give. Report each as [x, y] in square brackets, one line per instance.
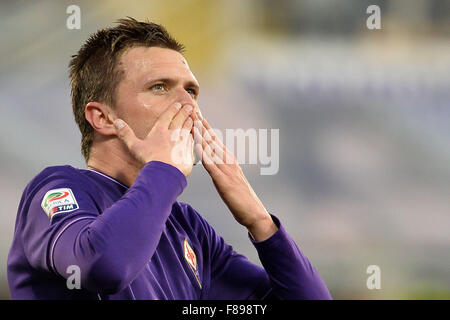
[230, 182]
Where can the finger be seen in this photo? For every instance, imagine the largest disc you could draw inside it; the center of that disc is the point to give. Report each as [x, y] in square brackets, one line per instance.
[207, 162]
[166, 117]
[208, 138]
[198, 137]
[204, 132]
[229, 157]
[207, 131]
[180, 117]
[206, 124]
[198, 113]
[125, 133]
[187, 127]
[188, 124]
[216, 144]
[217, 150]
[210, 163]
[214, 151]
[226, 155]
[211, 133]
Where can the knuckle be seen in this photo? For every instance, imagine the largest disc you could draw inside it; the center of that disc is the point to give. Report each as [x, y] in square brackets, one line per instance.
[187, 109]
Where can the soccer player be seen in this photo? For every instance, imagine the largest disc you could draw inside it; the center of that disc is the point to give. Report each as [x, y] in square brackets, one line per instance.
[118, 224]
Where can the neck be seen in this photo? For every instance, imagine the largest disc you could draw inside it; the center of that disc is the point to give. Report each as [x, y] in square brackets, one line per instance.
[112, 160]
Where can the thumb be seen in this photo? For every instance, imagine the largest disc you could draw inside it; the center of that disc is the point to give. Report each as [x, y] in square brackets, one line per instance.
[124, 132]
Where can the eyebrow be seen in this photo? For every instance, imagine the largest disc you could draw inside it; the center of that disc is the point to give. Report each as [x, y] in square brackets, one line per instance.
[171, 81]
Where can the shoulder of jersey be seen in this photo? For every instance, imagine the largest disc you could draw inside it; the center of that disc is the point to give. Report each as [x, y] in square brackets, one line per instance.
[55, 200]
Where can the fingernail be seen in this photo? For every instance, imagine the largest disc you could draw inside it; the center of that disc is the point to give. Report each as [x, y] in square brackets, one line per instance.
[188, 108]
[119, 124]
[178, 105]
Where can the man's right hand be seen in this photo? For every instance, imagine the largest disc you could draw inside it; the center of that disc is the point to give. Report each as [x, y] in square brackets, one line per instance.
[168, 141]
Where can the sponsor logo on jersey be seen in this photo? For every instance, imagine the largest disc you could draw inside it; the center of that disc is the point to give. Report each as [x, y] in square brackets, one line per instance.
[191, 259]
[59, 200]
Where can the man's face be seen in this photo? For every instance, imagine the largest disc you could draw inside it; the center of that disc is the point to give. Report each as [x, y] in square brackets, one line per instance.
[154, 79]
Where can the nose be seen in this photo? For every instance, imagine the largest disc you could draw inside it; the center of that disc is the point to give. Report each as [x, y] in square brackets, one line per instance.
[185, 97]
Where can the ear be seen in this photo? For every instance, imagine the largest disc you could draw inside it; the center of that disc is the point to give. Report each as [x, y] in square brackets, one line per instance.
[99, 116]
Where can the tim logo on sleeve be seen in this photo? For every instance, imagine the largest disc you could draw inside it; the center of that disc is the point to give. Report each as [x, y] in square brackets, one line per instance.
[59, 200]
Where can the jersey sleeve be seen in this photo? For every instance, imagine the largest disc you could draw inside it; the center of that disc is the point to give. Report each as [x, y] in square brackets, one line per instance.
[286, 273]
[41, 227]
[111, 247]
[291, 274]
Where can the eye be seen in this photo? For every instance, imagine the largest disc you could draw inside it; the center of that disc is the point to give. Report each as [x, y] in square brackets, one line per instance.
[192, 92]
[158, 87]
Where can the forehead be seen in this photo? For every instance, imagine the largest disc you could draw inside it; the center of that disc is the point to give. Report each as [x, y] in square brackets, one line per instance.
[139, 63]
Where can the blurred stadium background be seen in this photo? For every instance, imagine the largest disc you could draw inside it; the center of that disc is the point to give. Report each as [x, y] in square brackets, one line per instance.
[364, 116]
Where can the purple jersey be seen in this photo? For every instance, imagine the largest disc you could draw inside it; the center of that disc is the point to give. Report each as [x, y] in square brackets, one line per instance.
[140, 243]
